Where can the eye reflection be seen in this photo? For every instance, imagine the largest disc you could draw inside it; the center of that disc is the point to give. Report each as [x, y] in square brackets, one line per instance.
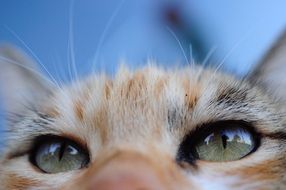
[51, 149]
[71, 150]
[225, 144]
[227, 136]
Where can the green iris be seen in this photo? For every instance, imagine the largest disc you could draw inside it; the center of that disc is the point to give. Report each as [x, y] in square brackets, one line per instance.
[59, 155]
[225, 144]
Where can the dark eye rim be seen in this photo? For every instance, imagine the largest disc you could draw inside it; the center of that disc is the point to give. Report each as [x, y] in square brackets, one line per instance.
[190, 140]
[41, 140]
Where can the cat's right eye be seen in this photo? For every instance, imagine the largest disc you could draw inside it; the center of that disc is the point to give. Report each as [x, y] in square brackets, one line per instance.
[56, 154]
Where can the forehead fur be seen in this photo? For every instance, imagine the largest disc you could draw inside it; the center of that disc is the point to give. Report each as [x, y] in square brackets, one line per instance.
[152, 104]
[142, 104]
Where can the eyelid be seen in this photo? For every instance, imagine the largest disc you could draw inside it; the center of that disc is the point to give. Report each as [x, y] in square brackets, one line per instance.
[207, 127]
[31, 143]
[73, 138]
[65, 138]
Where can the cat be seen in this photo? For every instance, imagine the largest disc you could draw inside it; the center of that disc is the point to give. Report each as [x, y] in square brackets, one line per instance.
[152, 128]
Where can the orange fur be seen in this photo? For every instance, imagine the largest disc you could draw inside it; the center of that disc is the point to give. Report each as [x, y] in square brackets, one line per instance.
[16, 182]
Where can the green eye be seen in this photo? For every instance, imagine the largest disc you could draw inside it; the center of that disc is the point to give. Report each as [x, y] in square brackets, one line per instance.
[219, 142]
[226, 144]
[54, 155]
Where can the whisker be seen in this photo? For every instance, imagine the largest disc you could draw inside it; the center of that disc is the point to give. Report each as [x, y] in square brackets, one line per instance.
[71, 41]
[179, 43]
[33, 54]
[227, 55]
[236, 45]
[28, 68]
[42, 76]
[59, 72]
[208, 56]
[103, 35]
[70, 75]
[191, 55]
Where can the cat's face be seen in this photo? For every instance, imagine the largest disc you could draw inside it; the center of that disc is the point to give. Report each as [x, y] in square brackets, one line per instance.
[149, 129]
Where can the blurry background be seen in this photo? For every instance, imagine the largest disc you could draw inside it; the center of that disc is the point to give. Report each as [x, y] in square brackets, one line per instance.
[98, 34]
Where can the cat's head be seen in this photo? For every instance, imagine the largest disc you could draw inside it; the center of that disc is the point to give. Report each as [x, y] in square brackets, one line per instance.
[147, 129]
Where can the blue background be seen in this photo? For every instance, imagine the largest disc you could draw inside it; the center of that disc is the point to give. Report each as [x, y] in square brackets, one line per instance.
[103, 33]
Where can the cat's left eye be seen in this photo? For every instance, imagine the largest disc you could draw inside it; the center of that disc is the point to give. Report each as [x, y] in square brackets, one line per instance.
[219, 142]
[55, 155]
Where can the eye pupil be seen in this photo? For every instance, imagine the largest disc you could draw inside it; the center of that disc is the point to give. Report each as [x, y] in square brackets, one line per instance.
[224, 141]
[62, 151]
